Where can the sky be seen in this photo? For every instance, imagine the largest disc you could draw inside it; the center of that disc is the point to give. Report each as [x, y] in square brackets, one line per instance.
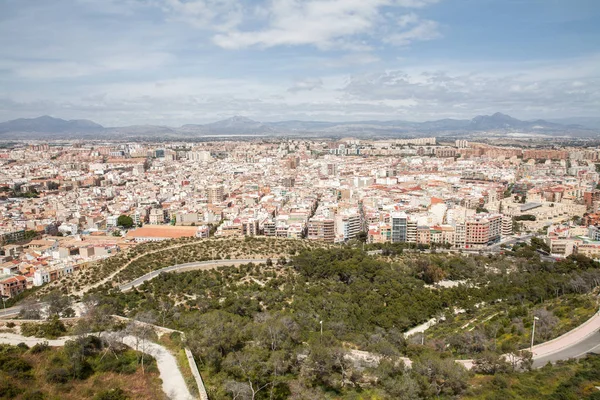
[173, 62]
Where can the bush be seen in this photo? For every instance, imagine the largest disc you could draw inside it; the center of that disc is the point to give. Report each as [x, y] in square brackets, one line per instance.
[35, 395]
[16, 366]
[52, 329]
[9, 391]
[57, 375]
[39, 348]
[112, 394]
[125, 364]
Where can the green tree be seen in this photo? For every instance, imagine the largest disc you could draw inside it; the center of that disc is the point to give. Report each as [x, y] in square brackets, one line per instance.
[125, 221]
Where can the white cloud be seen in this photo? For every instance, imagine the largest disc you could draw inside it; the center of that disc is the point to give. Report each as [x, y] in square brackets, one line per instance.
[325, 24]
[306, 85]
[420, 30]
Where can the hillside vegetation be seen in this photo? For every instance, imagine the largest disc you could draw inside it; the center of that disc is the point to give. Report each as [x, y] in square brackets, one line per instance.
[85, 368]
[256, 330]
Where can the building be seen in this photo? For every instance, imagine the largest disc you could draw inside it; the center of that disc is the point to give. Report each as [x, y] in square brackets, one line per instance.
[12, 286]
[482, 230]
[445, 152]
[157, 216]
[347, 226]
[594, 233]
[12, 236]
[215, 194]
[399, 223]
[321, 228]
[507, 226]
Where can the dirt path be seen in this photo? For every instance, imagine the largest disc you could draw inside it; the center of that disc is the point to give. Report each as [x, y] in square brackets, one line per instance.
[173, 383]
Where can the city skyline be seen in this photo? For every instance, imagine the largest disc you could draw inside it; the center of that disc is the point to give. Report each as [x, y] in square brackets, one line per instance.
[170, 62]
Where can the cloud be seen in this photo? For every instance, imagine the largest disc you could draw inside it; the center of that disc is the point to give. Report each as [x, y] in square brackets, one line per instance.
[531, 92]
[420, 30]
[217, 15]
[325, 24]
[306, 84]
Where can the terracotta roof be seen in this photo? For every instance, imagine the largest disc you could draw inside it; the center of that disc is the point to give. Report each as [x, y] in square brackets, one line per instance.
[163, 232]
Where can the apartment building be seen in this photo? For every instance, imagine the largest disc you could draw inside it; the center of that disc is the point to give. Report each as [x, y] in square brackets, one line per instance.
[399, 222]
[482, 230]
[12, 286]
[321, 228]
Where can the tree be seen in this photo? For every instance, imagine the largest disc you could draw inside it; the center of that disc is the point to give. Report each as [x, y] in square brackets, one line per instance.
[362, 236]
[125, 221]
[58, 304]
[440, 376]
[490, 363]
[30, 310]
[250, 364]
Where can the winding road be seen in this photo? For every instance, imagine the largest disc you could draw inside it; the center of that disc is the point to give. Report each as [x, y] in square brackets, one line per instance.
[200, 265]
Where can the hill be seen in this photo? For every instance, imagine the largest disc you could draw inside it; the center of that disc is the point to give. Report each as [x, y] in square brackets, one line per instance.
[48, 127]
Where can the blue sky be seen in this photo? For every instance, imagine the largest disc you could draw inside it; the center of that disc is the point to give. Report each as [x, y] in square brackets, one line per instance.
[172, 62]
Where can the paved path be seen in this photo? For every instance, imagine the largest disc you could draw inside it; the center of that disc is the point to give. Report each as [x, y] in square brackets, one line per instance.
[173, 383]
[199, 265]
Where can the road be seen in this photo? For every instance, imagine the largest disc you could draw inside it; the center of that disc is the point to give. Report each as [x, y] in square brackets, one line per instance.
[115, 273]
[173, 382]
[7, 312]
[591, 344]
[201, 265]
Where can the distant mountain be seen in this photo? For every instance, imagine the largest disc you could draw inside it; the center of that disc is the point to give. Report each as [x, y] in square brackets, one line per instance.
[587, 122]
[231, 126]
[496, 124]
[47, 124]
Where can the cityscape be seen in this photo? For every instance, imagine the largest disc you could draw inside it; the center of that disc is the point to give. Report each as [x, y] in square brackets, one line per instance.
[299, 199]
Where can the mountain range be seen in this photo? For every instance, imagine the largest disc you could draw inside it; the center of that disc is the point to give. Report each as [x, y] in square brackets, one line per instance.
[47, 127]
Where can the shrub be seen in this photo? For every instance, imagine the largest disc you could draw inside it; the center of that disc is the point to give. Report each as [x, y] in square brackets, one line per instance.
[16, 367]
[35, 395]
[39, 348]
[112, 394]
[125, 364]
[9, 391]
[57, 375]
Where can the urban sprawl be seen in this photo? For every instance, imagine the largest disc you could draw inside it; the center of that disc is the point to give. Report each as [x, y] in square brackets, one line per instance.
[64, 205]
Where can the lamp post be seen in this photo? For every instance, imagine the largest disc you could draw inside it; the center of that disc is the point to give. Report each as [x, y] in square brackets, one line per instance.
[533, 332]
[321, 323]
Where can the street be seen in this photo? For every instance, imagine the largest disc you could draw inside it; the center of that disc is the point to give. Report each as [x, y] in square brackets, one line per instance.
[589, 345]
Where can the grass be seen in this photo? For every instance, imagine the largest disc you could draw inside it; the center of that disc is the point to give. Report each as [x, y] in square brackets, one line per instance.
[571, 380]
[513, 323]
[137, 385]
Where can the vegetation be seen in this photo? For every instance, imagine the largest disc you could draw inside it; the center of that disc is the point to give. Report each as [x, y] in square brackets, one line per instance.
[256, 330]
[85, 368]
[147, 257]
[125, 221]
[572, 380]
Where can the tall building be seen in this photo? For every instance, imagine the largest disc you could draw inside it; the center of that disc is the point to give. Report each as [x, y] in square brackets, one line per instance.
[399, 227]
[483, 230]
[348, 226]
[321, 228]
[215, 194]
